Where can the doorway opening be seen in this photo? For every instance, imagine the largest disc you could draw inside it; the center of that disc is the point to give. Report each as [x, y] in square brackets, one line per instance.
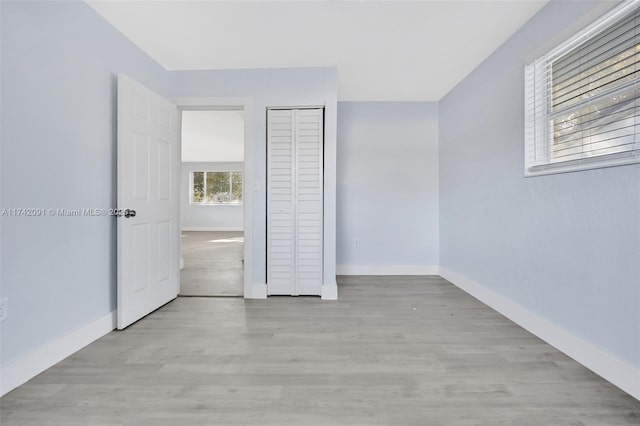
[212, 189]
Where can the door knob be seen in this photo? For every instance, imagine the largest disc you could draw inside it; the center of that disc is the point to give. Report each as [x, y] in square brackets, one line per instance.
[129, 213]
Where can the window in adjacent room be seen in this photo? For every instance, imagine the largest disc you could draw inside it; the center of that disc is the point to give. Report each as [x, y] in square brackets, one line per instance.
[582, 99]
[216, 187]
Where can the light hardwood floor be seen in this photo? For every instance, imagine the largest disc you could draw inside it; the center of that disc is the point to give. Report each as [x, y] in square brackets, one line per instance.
[391, 351]
[212, 263]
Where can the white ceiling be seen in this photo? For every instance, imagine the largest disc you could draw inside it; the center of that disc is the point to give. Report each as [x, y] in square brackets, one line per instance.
[212, 136]
[384, 50]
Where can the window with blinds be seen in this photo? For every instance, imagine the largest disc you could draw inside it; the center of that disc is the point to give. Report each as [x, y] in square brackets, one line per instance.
[582, 100]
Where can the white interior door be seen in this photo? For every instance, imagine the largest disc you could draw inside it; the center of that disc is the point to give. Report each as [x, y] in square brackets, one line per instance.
[148, 164]
[294, 201]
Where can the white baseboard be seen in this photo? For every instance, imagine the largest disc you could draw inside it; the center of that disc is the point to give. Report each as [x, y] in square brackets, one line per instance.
[211, 228]
[329, 291]
[387, 269]
[34, 363]
[255, 291]
[618, 372]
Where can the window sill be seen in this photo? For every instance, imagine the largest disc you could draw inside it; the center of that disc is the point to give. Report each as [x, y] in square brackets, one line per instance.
[612, 160]
[216, 204]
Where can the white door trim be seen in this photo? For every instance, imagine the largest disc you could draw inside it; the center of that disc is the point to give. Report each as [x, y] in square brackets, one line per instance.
[251, 289]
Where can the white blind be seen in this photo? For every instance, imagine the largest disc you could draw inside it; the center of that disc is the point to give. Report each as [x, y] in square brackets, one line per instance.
[582, 100]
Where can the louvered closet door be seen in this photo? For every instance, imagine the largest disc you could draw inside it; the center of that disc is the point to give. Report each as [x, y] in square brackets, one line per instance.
[308, 208]
[294, 201]
[280, 199]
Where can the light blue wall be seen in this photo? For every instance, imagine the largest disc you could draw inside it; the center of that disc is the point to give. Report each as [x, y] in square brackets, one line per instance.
[269, 88]
[387, 184]
[59, 66]
[566, 247]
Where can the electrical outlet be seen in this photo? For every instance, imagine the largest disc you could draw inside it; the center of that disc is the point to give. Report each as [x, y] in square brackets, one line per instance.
[356, 242]
[4, 309]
